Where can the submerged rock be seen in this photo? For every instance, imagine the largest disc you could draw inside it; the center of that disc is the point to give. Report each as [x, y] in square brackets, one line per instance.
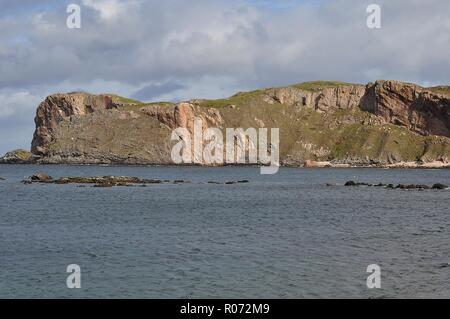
[181, 181]
[380, 185]
[413, 186]
[2, 179]
[110, 184]
[352, 183]
[97, 181]
[444, 265]
[399, 186]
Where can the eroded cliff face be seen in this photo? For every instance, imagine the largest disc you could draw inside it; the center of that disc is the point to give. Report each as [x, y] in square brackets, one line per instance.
[328, 99]
[410, 106]
[58, 107]
[381, 123]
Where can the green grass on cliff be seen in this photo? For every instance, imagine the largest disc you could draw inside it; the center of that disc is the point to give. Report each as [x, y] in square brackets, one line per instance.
[242, 98]
[123, 100]
[314, 86]
[445, 90]
[239, 99]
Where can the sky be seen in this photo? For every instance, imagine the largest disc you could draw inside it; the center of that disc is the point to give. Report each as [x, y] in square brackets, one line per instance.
[176, 50]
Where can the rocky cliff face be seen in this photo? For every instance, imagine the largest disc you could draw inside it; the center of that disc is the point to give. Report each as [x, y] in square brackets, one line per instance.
[410, 106]
[345, 97]
[56, 108]
[17, 157]
[383, 123]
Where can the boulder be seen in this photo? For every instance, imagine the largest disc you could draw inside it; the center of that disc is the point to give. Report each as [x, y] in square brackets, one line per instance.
[439, 186]
[41, 177]
[17, 157]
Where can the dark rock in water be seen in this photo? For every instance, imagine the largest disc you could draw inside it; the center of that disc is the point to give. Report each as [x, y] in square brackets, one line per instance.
[413, 186]
[352, 183]
[381, 185]
[103, 185]
[244, 181]
[230, 183]
[439, 186]
[110, 184]
[211, 182]
[399, 186]
[105, 181]
[2, 179]
[329, 184]
[25, 182]
[181, 181]
[41, 177]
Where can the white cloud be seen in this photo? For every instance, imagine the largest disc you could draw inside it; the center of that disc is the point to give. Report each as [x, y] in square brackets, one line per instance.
[214, 48]
[108, 9]
[21, 102]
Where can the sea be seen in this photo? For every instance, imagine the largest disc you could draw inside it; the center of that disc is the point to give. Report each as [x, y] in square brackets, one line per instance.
[297, 234]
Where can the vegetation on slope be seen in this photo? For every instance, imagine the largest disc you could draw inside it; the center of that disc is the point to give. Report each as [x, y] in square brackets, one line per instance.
[123, 100]
[315, 86]
[445, 90]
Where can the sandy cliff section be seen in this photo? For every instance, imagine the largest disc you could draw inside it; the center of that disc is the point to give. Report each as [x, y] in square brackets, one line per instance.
[321, 124]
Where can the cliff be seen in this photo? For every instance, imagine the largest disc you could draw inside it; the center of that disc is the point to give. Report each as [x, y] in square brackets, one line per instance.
[380, 123]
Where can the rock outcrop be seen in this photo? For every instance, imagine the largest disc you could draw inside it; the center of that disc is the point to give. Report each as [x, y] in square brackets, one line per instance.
[437, 186]
[410, 106]
[342, 97]
[321, 124]
[59, 106]
[18, 157]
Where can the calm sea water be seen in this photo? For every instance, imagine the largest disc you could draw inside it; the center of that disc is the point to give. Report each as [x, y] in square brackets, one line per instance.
[281, 236]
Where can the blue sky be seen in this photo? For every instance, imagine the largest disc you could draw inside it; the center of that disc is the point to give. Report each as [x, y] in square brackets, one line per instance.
[183, 49]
